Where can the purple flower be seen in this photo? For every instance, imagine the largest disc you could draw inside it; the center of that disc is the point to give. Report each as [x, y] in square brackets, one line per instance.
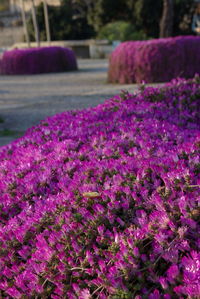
[155, 295]
[147, 61]
[172, 272]
[104, 202]
[191, 266]
[13, 292]
[36, 61]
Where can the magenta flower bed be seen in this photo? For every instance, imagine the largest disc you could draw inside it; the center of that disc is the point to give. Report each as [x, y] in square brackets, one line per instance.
[158, 60]
[37, 60]
[105, 202]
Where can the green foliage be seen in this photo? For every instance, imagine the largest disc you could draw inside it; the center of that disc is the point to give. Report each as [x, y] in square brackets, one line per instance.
[144, 15]
[122, 31]
[6, 133]
[101, 12]
[147, 14]
[4, 5]
[183, 12]
[137, 19]
[121, 294]
[64, 23]
[10, 133]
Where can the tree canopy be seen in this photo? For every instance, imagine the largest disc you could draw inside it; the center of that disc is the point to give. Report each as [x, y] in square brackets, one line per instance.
[82, 19]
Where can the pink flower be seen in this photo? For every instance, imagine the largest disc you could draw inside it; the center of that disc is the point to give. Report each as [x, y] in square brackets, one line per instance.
[85, 294]
[13, 292]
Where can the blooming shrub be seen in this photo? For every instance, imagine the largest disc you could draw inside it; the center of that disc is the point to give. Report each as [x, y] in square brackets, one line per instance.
[105, 202]
[158, 60]
[37, 60]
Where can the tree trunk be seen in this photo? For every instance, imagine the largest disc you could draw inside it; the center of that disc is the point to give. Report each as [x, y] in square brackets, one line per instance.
[35, 24]
[166, 23]
[46, 16]
[25, 24]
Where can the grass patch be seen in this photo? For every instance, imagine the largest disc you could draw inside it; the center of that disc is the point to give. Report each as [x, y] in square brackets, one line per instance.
[10, 133]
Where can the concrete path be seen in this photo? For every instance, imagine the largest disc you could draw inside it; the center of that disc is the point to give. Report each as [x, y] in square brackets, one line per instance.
[25, 100]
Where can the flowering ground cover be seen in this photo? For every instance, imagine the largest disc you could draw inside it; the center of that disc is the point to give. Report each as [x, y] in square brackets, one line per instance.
[37, 60]
[105, 202]
[158, 60]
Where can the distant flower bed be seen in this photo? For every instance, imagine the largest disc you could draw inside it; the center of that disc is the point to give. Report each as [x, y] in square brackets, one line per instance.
[37, 60]
[158, 60]
[104, 202]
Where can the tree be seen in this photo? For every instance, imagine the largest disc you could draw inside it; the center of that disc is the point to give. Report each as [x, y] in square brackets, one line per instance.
[101, 12]
[24, 23]
[146, 15]
[35, 24]
[46, 16]
[83, 19]
[69, 21]
[183, 12]
[166, 23]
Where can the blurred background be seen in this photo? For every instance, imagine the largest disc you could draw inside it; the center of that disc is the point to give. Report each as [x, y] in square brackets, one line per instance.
[110, 21]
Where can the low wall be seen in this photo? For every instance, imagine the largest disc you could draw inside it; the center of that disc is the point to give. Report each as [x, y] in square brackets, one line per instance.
[81, 48]
[10, 36]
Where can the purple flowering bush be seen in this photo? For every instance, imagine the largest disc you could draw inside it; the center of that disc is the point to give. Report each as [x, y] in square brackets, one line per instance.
[105, 202]
[37, 60]
[158, 60]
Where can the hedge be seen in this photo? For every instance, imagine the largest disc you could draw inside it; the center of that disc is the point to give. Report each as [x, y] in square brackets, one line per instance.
[158, 60]
[37, 60]
[104, 202]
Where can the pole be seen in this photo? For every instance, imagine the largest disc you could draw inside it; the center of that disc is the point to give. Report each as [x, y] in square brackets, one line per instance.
[46, 16]
[25, 24]
[35, 24]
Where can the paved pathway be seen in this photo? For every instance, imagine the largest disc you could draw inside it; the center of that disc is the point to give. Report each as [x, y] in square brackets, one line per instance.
[25, 100]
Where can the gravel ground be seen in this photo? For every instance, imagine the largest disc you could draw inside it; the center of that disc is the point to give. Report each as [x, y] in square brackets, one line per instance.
[25, 100]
